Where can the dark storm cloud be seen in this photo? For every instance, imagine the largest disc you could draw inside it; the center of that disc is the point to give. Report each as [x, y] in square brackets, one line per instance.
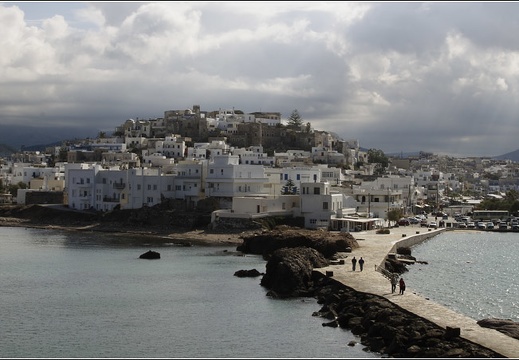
[438, 77]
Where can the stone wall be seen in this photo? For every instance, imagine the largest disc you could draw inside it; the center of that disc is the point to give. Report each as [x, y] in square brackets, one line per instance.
[414, 239]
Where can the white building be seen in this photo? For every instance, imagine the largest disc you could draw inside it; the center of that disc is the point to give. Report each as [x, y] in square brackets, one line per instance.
[227, 178]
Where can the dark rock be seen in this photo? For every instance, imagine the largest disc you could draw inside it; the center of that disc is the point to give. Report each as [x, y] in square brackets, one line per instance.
[326, 242]
[331, 324]
[247, 273]
[505, 326]
[151, 255]
[289, 271]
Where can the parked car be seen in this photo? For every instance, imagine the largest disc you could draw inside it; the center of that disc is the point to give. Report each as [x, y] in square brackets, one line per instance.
[503, 225]
[490, 225]
[414, 220]
[462, 225]
[404, 222]
[471, 225]
[423, 223]
[433, 224]
[481, 225]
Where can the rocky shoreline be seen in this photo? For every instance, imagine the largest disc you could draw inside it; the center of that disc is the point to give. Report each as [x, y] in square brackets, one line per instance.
[382, 326]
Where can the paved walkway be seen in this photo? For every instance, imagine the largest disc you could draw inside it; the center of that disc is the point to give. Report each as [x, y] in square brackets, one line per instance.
[373, 248]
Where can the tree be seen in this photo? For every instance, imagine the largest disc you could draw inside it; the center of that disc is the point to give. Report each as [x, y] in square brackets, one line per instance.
[376, 156]
[13, 188]
[295, 119]
[394, 215]
[289, 188]
[63, 153]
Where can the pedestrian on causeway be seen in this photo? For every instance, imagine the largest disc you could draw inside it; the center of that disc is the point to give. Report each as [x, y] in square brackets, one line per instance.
[361, 263]
[394, 281]
[353, 263]
[402, 286]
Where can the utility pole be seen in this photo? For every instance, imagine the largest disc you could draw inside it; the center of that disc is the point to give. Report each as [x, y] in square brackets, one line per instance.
[369, 205]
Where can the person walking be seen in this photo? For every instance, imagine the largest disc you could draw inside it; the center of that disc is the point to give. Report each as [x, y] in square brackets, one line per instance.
[402, 286]
[353, 263]
[394, 281]
[361, 263]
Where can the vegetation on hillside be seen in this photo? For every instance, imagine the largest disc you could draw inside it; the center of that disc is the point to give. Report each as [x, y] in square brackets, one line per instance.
[510, 202]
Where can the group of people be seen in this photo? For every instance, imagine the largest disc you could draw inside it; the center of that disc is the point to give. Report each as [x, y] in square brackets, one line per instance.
[394, 278]
[354, 263]
[401, 284]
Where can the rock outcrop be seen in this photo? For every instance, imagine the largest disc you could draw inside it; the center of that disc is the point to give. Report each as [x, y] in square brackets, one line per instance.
[150, 255]
[289, 271]
[505, 326]
[248, 273]
[326, 242]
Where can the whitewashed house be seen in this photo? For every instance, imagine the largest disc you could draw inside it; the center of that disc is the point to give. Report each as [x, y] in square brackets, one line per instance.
[80, 185]
[253, 155]
[189, 181]
[318, 204]
[227, 178]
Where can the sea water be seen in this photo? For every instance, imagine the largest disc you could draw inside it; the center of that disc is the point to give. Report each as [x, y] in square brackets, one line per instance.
[88, 295]
[475, 273]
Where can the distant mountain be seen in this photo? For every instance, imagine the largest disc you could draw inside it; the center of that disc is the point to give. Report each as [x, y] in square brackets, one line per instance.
[16, 136]
[404, 154]
[6, 150]
[514, 156]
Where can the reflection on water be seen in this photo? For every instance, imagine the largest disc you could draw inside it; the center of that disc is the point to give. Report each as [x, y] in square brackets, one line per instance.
[88, 295]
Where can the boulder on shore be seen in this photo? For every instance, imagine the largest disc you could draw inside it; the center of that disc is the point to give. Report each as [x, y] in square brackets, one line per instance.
[151, 255]
[289, 271]
[505, 326]
[247, 273]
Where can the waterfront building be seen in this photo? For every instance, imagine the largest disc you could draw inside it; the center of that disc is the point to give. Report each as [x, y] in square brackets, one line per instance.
[227, 178]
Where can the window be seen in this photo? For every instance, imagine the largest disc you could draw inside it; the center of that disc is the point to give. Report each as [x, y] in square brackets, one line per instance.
[138, 186]
[317, 191]
[325, 205]
[155, 187]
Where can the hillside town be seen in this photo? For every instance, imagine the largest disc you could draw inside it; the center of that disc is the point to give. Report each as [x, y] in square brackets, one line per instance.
[252, 166]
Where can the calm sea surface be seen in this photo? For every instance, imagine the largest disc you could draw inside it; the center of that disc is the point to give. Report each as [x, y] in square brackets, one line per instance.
[474, 273]
[87, 295]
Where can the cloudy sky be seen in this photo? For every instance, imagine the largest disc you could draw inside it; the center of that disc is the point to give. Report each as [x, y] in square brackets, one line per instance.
[398, 76]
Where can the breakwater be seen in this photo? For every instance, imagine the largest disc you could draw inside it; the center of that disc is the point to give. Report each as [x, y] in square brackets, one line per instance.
[375, 247]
